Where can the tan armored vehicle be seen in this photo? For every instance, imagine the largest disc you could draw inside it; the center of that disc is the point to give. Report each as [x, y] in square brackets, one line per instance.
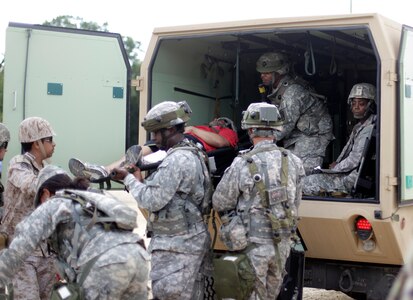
[353, 242]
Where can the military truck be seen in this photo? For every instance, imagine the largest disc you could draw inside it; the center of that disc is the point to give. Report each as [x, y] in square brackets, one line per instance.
[354, 243]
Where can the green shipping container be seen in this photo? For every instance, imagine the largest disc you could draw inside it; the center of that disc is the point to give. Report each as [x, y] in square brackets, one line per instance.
[78, 80]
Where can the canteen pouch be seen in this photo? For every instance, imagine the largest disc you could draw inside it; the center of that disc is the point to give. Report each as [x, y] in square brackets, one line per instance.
[233, 233]
[233, 276]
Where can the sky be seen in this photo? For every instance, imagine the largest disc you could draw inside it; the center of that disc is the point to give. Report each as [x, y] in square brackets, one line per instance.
[138, 18]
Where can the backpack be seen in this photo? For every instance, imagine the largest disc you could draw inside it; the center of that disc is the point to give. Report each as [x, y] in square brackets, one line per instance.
[234, 276]
[103, 209]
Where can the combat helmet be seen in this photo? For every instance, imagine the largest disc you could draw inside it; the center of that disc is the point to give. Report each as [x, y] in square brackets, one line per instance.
[362, 90]
[273, 62]
[166, 114]
[4, 134]
[261, 115]
[365, 91]
[45, 174]
[33, 129]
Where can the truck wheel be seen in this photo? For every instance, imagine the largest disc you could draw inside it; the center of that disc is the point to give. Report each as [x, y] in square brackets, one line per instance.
[209, 292]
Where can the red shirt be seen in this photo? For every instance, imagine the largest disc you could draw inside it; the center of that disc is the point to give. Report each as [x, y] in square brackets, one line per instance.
[227, 133]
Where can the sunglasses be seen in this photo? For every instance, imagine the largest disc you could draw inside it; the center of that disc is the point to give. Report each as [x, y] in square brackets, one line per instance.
[4, 145]
[48, 139]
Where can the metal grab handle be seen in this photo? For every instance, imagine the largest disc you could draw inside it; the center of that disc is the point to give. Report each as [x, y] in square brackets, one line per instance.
[15, 100]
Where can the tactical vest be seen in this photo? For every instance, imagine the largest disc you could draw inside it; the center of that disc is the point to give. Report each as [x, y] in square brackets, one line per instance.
[177, 220]
[268, 224]
[276, 97]
[313, 109]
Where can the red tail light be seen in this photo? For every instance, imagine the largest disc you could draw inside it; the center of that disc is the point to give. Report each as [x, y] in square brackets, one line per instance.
[363, 228]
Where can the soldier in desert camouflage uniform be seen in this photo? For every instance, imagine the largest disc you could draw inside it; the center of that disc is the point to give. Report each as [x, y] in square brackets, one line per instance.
[36, 276]
[262, 188]
[121, 264]
[4, 140]
[173, 195]
[307, 123]
[342, 174]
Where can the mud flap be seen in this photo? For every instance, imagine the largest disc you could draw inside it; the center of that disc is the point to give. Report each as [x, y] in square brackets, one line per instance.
[292, 287]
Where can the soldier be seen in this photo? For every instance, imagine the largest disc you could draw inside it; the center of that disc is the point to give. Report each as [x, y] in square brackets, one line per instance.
[174, 195]
[35, 278]
[258, 197]
[105, 263]
[307, 123]
[342, 173]
[4, 140]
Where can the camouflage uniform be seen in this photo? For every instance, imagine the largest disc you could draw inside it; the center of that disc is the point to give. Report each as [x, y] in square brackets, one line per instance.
[262, 187]
[37, 275]
[171, 193]
[121, 270]
[4, 139]
[345, 172]
[18, 198]
[237, 191]
[307, 123]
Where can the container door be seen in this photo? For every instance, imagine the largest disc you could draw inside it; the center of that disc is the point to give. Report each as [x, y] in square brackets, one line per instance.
[405, 116]
[75, 79]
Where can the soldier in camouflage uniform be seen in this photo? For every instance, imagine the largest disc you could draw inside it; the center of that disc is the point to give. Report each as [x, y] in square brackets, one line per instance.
[4, 140]
[173, 195]
[342, 174]
[307, 123]
[262, 187]
[36, 276]
[120, 264]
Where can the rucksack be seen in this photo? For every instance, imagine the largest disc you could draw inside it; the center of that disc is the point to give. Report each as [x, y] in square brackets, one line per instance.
[102, 210]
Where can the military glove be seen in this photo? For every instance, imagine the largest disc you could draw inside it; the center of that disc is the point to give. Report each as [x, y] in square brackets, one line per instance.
[3, 240]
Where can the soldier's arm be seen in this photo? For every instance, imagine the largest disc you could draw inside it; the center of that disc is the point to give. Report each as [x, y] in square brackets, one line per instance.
[211, 138]
[175, 173]
[291, 108]
[30, 232]
[353, 159]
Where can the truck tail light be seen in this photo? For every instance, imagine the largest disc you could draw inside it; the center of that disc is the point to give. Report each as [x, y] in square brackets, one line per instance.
[363, 228]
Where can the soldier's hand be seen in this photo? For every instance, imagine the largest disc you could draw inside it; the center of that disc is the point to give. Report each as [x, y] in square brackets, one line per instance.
[332, 165]
[118, 173]
[121, 173]
[3, 240]
[133, 169]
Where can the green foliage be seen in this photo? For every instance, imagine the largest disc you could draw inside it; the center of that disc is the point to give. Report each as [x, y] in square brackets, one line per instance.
[76, 22]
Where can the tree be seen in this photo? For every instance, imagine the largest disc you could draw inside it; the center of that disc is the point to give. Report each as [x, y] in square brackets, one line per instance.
[131, 47]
